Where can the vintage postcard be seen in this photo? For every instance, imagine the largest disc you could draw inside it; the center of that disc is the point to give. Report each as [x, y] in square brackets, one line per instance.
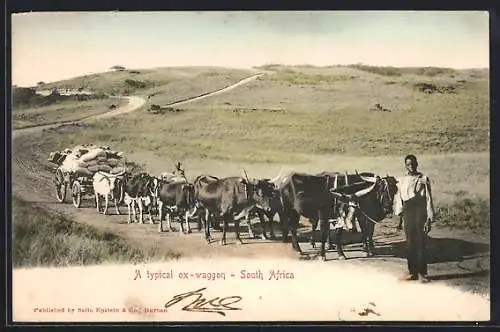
[250, 166]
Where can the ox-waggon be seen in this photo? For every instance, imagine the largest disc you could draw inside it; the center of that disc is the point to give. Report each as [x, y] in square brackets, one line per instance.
[80, 186]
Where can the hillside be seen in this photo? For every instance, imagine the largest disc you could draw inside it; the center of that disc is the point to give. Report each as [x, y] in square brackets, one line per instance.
[297, 110]
[165, 84]
[332, 110]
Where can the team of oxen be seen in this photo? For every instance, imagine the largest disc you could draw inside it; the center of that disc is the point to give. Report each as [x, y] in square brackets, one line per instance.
[359, 199]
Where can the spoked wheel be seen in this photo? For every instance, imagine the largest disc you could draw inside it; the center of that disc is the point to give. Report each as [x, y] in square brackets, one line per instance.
[77, 194]
[61, 186]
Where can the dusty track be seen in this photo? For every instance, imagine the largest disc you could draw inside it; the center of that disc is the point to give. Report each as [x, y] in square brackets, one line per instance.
[32, 181]
[134, 103]
[210, 94]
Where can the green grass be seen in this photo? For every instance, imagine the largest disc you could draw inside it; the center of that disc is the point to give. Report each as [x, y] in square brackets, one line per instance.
[394, 71]
[256, 135]
[382, 70]
[40, 238]
[465, 213]
[61, 111]
[336, 117]
[386, 71]
[324, 116]
[296, 77]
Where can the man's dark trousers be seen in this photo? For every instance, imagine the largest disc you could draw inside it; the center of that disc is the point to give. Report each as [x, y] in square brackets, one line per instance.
[415, 216]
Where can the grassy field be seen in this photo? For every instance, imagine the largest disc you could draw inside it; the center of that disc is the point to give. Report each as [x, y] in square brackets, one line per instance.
[465, 213]
[278, 116]
[40, 238]
[308, 119]
[61, 111]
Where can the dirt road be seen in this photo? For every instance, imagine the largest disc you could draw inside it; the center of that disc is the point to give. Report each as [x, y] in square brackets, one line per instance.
[457, 258]
[214, 93]
[134, 103]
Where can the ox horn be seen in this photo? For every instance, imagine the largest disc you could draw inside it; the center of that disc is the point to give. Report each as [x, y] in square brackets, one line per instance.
[277, 177]
[365, 191]
[340, 195]
[369, 178]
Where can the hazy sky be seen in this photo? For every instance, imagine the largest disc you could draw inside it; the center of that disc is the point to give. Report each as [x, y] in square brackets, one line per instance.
[52, 46]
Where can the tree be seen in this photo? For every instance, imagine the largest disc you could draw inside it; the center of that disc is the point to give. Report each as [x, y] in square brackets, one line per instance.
[23, 96]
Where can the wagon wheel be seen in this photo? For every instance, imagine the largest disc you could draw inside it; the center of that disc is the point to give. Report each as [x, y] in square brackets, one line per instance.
[61, 186]
[76, 194]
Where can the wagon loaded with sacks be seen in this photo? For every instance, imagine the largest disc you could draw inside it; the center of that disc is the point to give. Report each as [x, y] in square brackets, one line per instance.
[76, 169]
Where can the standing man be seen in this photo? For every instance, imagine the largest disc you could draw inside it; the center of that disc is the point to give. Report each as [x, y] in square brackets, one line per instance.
[414, 204]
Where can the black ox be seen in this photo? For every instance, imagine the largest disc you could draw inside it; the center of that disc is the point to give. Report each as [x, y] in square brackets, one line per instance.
[333, 180]
[313, 197]
[229, 199]
[336, 180]
[176, 198]
[368, 203]
[139, 189]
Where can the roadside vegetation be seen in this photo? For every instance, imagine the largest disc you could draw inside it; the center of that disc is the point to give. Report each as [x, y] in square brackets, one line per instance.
[465, 213]
[27, 97]
[40, 238]
[31, 109]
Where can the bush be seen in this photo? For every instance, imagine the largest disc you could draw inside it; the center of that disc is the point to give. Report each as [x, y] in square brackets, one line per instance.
[27, 97]
[432, 88]
[465, 213]
[43, 239]
[23, 97]
[385, 71]
[135, 84]
[434, 71]
[295, 77]
[157, 109]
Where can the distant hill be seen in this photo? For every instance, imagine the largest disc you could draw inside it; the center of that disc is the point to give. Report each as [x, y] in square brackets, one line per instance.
[148, 81]
[354, 109]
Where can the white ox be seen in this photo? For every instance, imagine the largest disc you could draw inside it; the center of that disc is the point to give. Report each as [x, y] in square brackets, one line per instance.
[104, 185]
